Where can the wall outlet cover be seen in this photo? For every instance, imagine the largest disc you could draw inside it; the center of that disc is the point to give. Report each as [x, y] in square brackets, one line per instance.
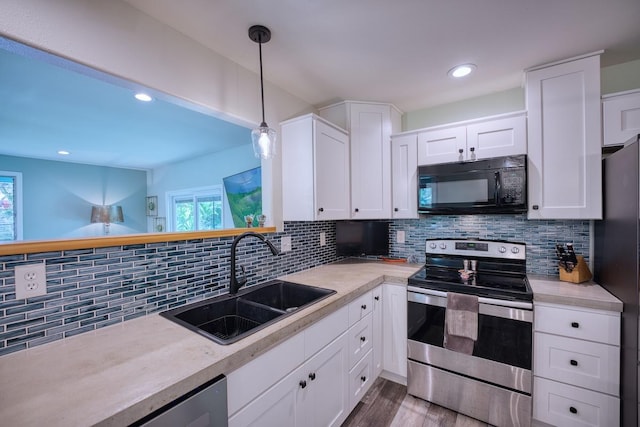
[285, 244]
[323, 239]
[400, 236]
[31, 280]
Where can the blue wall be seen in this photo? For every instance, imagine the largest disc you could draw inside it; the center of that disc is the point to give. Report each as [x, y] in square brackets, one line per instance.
[58, 197]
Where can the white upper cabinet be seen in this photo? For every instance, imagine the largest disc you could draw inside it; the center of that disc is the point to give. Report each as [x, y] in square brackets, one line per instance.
[315, 170]
[621, 116]
[478, 139]
[564, 139]
[442, 145]
[404, 176]
[370, 126]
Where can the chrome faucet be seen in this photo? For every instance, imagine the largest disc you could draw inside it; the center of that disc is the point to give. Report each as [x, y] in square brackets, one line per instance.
[236, 283]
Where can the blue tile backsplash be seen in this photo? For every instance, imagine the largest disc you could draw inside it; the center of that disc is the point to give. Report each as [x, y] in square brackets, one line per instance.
[93, 288]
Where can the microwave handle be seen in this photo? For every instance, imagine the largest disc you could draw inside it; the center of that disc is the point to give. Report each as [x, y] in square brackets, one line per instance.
[497, 188]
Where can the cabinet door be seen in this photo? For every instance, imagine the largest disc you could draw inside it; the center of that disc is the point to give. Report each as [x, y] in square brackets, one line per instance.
[276, 407]
[377, 330]
[331, 171]
[564, 134]
[496, 138]
[395, 329]
[442, 145]
[325, 400]
[621, 117]
[404, 180]
[370, 133]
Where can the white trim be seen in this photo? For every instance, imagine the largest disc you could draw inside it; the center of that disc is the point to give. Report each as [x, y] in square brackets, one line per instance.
[17, 202]
[574, 58]
[193, 193]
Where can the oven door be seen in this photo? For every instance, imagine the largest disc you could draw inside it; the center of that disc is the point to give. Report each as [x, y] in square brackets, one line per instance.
[502, 352]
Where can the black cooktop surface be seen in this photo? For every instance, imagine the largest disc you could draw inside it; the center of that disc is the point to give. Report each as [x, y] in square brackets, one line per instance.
[486, 284]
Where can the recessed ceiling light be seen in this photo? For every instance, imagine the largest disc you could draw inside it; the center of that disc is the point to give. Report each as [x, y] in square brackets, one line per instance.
[63, 152]
[462, 70]
[143, 97]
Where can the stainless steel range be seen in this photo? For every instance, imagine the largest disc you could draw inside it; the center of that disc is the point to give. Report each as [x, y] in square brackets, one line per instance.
[494, 382]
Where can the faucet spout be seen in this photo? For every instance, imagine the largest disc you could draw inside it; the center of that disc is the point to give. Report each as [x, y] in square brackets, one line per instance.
[234, 284]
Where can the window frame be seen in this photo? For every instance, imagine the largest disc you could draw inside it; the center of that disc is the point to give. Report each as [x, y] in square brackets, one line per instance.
[18, 213]
[215, 191]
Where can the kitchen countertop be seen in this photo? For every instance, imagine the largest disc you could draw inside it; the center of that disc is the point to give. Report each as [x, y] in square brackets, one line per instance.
[588, 294]
[116, 375]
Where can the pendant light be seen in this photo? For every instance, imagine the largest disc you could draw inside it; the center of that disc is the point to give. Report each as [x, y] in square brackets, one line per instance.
[264, 138]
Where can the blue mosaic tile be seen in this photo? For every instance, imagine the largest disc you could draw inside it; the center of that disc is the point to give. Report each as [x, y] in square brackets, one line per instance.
[94, 288]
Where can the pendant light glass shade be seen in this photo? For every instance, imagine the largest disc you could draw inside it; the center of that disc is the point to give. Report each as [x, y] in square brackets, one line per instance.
[264, 138]
[264, 141]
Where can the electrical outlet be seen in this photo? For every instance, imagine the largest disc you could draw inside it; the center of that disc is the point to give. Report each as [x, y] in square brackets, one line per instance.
[31, 280]
[285, 244]
[323, 239]
[400, 236]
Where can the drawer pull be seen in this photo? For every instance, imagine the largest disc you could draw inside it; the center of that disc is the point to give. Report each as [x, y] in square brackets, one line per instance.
[377, 298]
[363, 306]
[303, 384]
[575, 324]
[573, 410]
[574, 362]
[363, 378]
[363, 339]
[312, 376]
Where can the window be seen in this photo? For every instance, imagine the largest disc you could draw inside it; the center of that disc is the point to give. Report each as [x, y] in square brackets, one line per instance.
[195, 209]
[10, 206]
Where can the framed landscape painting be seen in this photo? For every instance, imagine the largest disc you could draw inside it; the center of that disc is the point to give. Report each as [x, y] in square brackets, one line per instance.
[244, 193]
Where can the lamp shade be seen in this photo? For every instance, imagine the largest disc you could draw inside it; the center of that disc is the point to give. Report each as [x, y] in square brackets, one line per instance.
[264, 142]
[107, 214]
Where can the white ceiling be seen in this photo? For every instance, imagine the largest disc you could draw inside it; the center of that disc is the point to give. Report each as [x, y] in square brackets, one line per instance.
[400, 51]
[321, 51]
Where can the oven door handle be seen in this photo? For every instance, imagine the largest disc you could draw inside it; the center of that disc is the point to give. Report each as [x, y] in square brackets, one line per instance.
[514, 310]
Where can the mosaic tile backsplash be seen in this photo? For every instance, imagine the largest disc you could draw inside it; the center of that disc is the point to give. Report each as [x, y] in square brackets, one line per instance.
[92, 288]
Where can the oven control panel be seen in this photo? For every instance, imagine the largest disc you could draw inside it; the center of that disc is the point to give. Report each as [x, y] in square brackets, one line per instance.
[477, 248]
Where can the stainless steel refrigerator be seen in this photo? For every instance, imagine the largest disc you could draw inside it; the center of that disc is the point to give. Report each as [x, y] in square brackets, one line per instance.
[617, 260]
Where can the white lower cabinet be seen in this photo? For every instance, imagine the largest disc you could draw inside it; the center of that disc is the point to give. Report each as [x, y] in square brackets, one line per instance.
[315, 394]
[576, 366]
[394, 330]
[316, 377]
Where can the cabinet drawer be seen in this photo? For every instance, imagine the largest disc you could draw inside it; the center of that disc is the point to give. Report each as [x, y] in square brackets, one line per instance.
[360, 379]
[360, 339]
[583, 363]
[564, 405]
[360, 308]
[590, 325]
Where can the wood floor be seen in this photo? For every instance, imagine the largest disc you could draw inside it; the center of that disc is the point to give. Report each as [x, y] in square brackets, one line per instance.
[388, 404]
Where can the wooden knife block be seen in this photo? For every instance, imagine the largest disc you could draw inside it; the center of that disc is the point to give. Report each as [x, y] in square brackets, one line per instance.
[579, 274]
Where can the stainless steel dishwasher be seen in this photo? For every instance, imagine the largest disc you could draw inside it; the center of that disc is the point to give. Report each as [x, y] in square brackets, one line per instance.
[205, 406]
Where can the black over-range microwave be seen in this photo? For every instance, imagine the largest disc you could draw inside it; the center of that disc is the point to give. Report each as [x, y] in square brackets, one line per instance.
[489, 186]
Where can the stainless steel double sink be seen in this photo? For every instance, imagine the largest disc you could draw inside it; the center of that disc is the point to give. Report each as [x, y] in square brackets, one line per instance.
[229, 318]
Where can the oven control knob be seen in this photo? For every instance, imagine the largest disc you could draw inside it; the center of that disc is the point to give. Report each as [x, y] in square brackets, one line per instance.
[502, 249]
[515, 250]
[443, 246]
[433, 245]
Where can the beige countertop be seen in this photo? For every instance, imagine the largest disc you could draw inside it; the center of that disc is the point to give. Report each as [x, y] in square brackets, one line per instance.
[116, 375]
[588, 294]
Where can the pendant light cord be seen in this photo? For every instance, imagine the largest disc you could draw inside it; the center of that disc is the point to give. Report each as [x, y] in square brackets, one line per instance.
[261, 81]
